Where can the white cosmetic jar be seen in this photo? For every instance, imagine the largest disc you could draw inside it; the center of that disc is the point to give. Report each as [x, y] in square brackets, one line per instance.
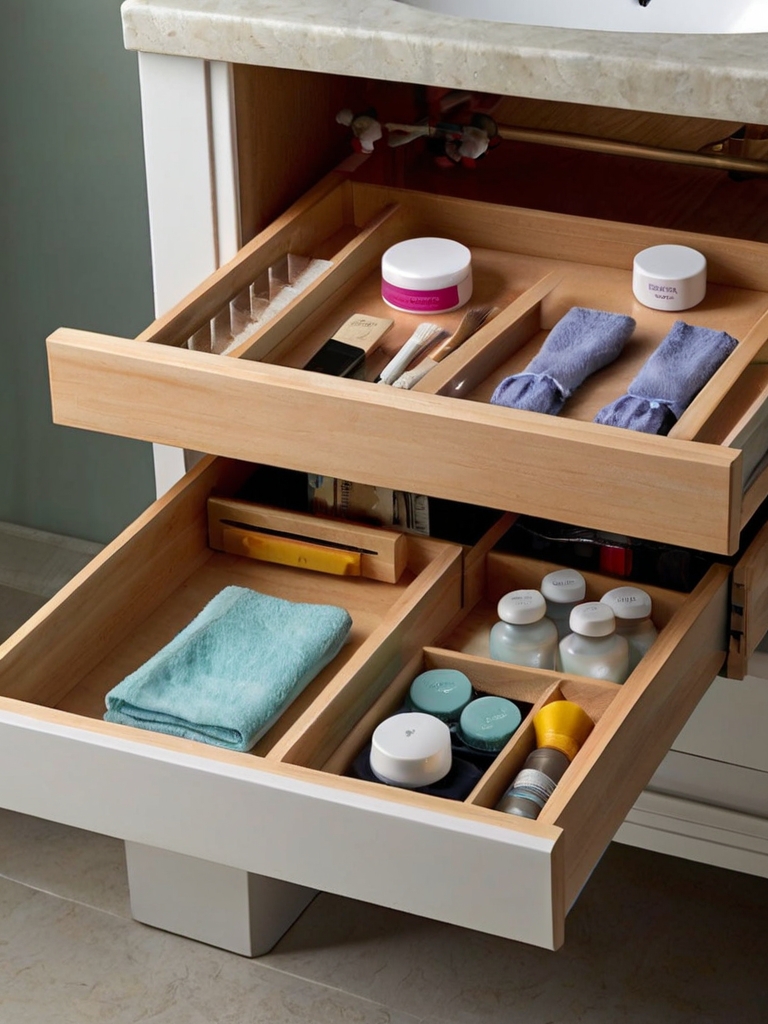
[426, 275]
[669, 277]
[411, 750]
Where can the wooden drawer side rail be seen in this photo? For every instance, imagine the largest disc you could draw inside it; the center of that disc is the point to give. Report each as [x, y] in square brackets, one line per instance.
[720, 396]
[638, 728]
[732, 262]
[352, 264]
[478, 357]
[756, 492]
[433, 600]
[301, 230]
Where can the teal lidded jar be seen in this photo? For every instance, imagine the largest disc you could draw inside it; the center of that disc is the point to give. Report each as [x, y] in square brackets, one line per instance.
[442, 692]
[487, 723]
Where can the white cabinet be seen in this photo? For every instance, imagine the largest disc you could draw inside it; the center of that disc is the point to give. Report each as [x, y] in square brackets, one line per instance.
[257, 834]
[728, 730]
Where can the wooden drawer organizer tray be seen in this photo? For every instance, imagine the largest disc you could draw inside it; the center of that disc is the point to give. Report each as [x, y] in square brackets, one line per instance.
[696, 488]
[134, 599]
[263, 810]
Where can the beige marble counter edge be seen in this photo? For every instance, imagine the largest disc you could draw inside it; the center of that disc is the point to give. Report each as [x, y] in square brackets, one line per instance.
[707, 76]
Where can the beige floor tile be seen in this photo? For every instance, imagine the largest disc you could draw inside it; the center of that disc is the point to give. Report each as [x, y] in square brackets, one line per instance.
[62, 963]
[652, 940]
[67, 862]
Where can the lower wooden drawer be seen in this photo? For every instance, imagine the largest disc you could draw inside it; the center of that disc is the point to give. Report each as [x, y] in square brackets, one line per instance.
[289, 809]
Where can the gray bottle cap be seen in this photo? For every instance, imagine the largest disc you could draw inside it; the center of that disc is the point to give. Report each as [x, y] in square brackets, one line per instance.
[564, 586]
[593, 619]
[628, 602]
[521, 607]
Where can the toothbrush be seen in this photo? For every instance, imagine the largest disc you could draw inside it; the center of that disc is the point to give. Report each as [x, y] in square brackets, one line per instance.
[424, 335]
[472, 321]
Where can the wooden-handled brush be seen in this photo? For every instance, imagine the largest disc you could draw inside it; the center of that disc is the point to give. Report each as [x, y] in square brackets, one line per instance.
[424, 335]
[472, 321]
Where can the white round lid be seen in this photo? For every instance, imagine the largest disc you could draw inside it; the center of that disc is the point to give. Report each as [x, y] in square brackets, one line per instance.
[628, 602]
[670, 262]
[592, 619]
[423, 264]
[564, 586]
[520, 607]
[411, 750]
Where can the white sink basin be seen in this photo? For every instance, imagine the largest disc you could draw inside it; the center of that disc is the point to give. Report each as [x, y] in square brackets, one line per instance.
[676, 16]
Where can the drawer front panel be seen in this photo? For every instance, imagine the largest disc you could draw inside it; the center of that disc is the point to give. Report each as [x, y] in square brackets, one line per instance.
[459, 870]
[651, 487]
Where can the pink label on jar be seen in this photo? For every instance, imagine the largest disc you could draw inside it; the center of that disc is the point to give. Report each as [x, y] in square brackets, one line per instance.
[421, 302]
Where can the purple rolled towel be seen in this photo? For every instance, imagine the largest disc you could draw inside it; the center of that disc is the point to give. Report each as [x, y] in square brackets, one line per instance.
[670, 379]
[581, 342]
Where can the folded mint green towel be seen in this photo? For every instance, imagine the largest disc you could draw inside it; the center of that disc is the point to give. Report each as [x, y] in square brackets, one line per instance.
[229, 675]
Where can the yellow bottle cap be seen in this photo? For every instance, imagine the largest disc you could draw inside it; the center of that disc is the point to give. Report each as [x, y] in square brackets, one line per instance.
[562, 725]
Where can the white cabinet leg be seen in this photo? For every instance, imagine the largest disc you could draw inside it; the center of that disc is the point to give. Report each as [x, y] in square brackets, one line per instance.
[221, 906]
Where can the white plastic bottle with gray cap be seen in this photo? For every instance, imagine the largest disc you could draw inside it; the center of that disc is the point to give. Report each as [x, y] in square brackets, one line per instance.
[632, 608]
[524, 636]
[563, 589]
[593, 647]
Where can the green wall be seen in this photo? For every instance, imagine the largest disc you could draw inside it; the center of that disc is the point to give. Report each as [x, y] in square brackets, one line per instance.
[74, 251]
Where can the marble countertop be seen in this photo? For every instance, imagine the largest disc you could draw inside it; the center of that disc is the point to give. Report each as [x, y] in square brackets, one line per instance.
[724, 77]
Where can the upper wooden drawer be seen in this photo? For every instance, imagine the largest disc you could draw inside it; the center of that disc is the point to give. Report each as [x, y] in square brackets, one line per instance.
[696, 487]
[290, 809]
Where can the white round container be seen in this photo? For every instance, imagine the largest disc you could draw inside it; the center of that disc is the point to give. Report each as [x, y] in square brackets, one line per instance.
[426, 275]
[593, 648]
[524, 636]
[669, 277]
[411, 750]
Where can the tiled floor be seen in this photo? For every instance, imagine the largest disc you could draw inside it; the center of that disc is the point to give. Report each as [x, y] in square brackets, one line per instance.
[652, 940]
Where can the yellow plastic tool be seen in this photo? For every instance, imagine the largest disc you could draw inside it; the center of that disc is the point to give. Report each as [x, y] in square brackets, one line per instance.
[288, 551]
[313, 542]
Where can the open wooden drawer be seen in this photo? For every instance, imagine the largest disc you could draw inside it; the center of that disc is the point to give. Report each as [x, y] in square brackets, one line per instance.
[696, 487]
[287, 810]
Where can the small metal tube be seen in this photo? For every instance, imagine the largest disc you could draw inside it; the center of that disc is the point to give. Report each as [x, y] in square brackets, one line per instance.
[588, 143]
